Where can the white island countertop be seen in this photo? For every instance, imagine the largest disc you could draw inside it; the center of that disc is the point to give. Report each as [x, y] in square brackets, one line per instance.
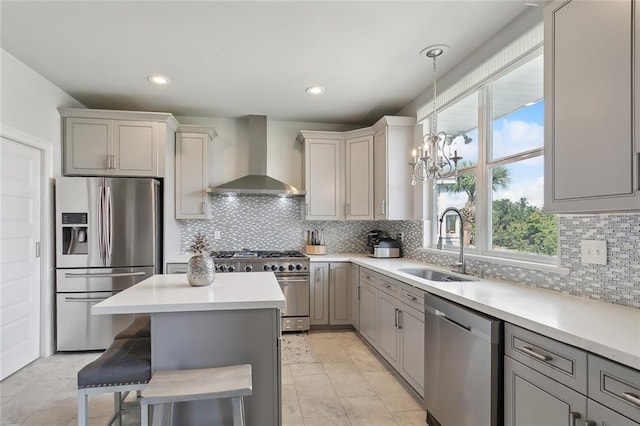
[605, 329]
[172, 293]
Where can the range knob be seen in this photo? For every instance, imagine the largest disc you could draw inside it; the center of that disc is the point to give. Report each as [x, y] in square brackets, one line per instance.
[291, 267]
[248, 268]
[232, 268]
[274, 267]
[298, 267]
[223, 268]
[282, 268]
[266, 268]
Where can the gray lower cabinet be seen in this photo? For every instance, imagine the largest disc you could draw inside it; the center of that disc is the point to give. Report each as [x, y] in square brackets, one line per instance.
[355, 296]
[388, 331]
[392, 321]
[330, 294]
[368, 311]
[533, 399]
[411, 322]
[319, 294]
[340, 294]
[599, 415]
[547, 382]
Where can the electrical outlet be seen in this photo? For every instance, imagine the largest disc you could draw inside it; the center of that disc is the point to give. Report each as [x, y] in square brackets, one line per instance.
[594, 252]
[216, 235]
[400, 236]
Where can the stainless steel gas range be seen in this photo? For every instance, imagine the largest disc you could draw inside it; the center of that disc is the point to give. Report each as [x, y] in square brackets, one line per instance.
[291, 269]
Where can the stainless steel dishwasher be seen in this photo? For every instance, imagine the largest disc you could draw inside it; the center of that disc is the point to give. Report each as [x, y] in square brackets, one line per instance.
[463, 363]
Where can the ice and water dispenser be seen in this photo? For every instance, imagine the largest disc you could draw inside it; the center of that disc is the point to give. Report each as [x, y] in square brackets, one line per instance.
[74, 233]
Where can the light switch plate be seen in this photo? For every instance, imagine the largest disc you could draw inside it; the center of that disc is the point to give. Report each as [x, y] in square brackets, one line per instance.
[216, 235]
[594, 252]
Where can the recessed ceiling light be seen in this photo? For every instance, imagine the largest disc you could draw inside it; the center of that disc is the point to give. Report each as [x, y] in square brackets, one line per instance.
[315, 90]
[159, 79]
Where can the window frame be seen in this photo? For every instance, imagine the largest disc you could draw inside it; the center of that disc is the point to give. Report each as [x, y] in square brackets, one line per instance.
[483, 240]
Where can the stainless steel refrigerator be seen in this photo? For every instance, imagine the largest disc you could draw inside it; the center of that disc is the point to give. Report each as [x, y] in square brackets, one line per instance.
[108, 238]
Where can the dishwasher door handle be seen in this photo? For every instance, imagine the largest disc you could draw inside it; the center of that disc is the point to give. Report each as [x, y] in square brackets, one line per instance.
[454, 322]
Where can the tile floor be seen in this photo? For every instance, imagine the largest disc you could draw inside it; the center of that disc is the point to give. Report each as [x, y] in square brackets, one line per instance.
[347, 386]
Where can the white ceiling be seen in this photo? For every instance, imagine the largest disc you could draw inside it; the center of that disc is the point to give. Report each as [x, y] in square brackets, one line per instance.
[230, 59]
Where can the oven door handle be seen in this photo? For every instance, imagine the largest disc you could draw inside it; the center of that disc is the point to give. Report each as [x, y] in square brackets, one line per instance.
[292, 280]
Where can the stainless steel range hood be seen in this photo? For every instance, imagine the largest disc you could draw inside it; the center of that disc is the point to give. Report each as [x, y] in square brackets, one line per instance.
[257, 182]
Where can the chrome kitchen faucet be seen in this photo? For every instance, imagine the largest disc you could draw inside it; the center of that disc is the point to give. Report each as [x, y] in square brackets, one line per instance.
[460, 265]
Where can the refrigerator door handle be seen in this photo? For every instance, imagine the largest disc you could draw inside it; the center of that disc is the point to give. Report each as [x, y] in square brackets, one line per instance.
[115, 275]
[110, 228]
[100, 222]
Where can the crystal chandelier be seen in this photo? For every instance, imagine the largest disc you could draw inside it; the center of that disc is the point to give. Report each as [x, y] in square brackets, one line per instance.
[431, 160]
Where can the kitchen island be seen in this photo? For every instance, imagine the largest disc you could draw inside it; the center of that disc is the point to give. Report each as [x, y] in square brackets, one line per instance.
[236, 320]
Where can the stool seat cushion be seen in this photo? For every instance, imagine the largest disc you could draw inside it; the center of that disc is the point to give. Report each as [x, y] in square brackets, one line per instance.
[139, 327]
[197, 384]
[125, 362]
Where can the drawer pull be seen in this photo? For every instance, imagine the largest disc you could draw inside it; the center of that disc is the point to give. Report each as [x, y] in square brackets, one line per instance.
[634, 399]
[387, 285]
[536, 355]
[411, 297]
[573, 416]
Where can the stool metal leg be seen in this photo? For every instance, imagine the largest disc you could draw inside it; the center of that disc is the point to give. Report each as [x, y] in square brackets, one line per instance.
[144, 415]
[117, 407]
[238, 411]
[83, 414]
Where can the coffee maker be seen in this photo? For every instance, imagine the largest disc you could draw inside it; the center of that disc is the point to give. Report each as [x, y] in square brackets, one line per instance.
[381, 244]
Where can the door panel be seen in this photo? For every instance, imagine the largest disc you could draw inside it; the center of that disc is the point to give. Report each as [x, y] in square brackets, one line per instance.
[135, 221]
[20, 215]
[388, 330]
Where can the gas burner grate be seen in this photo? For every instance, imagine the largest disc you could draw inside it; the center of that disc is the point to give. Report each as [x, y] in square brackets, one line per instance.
[222, 254]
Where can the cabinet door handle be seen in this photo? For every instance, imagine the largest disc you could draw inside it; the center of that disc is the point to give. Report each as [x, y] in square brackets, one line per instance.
[107, 161]
[384, 207]
[399, 319]
[387, 285]
[115, 162]
[395, 315]
[632, 398]
[536, 355]
[348, 209]
[573, 416]
[411, 297]
[358, 292]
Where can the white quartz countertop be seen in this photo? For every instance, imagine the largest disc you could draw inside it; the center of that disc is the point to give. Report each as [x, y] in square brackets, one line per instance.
[602, 328]
[172, 293]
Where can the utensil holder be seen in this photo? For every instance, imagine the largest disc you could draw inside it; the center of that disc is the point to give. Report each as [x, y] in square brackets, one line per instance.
[315, 249]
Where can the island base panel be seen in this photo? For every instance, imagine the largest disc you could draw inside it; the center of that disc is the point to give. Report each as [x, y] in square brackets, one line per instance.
[182, 340]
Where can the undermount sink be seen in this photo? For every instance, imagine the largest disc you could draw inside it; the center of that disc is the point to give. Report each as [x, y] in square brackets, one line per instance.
[433, 275]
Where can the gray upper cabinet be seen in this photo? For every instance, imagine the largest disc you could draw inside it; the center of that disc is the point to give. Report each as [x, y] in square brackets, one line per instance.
[193, 164]
[115, 143]
[393, 193]
[591, 157]
[323, 176]
[359, 178]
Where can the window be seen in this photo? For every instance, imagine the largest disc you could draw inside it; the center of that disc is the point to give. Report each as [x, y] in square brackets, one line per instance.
[499, 188]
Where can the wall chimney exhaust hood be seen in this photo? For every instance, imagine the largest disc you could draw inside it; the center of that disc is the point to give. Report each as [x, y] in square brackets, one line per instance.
[257, 182]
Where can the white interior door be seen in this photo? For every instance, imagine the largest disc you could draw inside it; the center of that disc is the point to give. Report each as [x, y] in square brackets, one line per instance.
[20, 200]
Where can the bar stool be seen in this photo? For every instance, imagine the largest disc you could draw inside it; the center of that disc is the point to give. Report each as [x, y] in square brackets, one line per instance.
[169, 386]
[124, 367]
[139, 327]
